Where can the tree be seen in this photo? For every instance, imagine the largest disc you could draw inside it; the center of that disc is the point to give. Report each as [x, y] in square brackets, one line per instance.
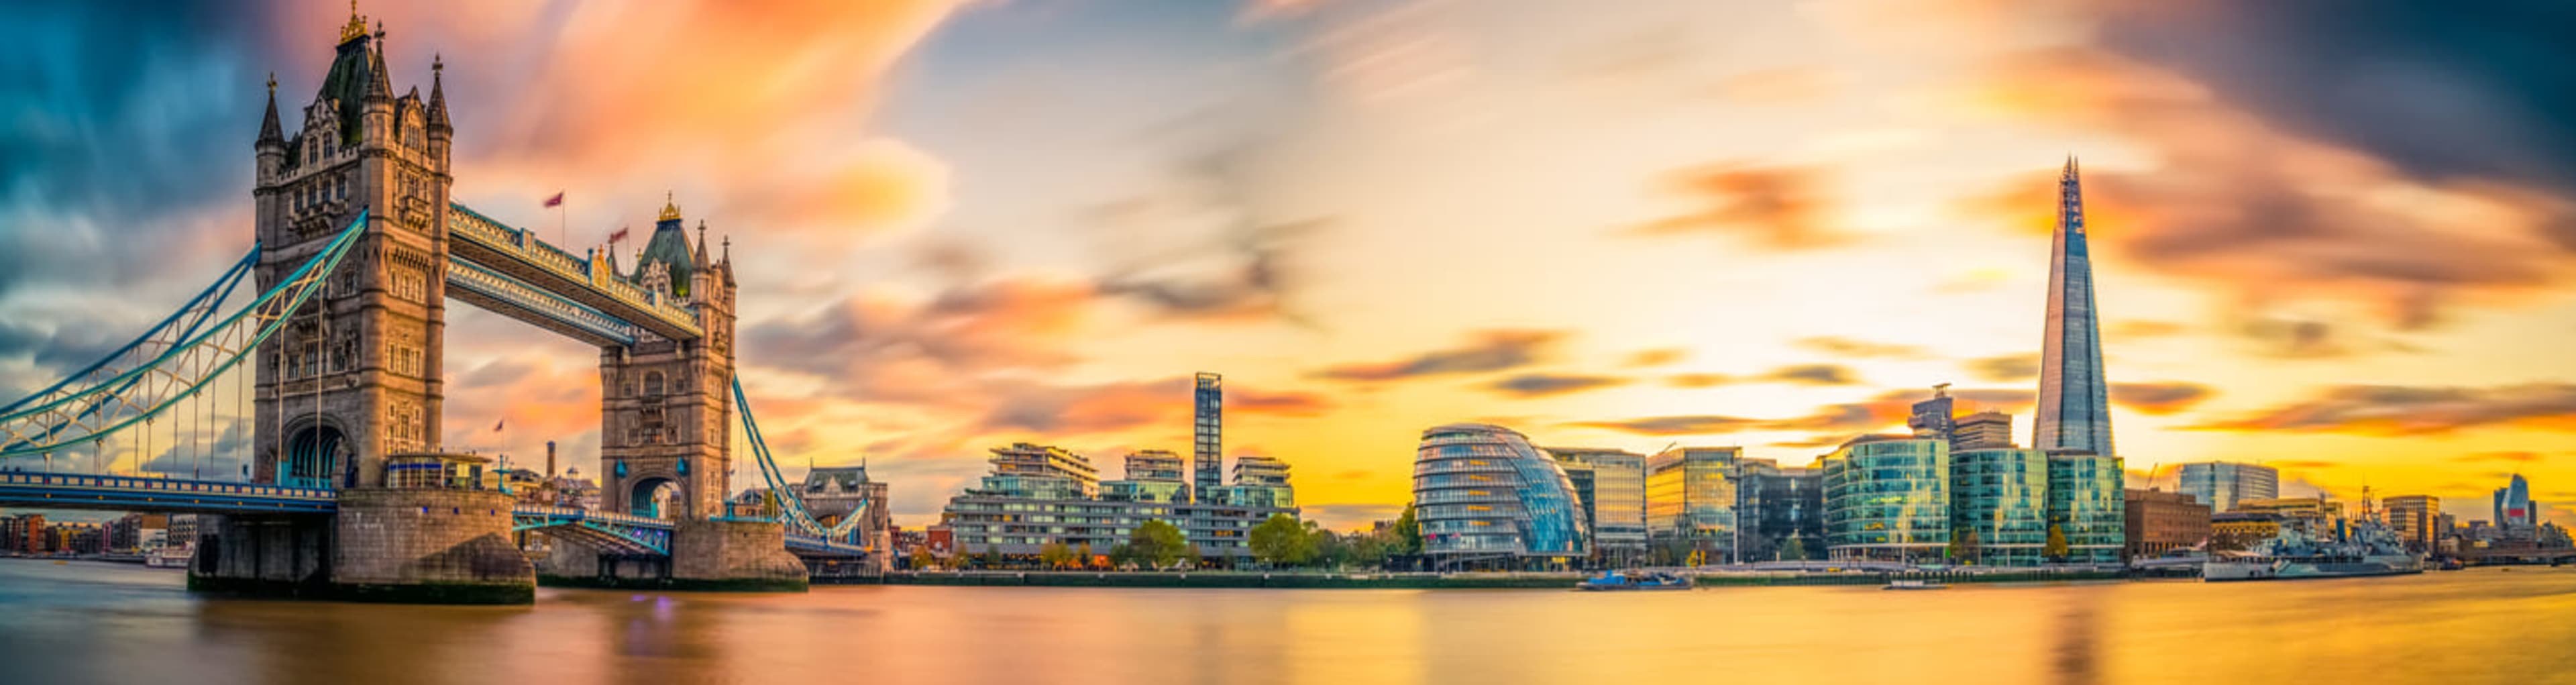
[1157, 543]
[1082, 555]
[1796, 550]
[2056, 549]
[1191, 552]
[1963, 546]
[921, 558]
[1055, 555]
[992, 556]
[1283, 541]
[1408, 533]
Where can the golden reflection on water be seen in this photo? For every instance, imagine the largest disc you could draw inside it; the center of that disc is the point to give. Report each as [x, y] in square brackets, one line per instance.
[97, 623]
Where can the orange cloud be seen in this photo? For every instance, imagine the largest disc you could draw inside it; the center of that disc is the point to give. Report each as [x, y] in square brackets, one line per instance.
[2388, 410]
[1773, 207]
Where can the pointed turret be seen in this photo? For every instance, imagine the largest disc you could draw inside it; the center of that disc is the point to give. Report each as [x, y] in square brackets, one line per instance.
[669, 247]
[269, 130]
[702, 257]
[437, 95]
[381, 85]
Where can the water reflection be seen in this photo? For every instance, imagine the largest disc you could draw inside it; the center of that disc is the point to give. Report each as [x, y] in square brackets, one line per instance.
[92, 623]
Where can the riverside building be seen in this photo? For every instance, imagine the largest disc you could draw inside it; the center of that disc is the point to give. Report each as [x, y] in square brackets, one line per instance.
[2157, 522]
[2000, 496]
[1783, 510]
[1691, 500]
[1887, 499]
[1612, 485]
[1039, 495]
[1485, 497]
[2084, 505]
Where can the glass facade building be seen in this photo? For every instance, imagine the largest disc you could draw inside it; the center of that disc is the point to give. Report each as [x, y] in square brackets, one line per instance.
[2074, 400]
[1483, 495]
[1207, 429]
[1690, 502]
[1783, 511]
[2086, 503]
[1612, 485]
[2222, 484]
[2001, 496]
[1040, 495]
[1888, 499]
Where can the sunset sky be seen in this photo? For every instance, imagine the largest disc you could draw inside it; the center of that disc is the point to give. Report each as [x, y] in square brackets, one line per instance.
[2335, 237]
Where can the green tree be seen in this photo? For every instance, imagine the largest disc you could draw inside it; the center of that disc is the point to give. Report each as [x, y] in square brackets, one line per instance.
[992, 556]
[1157, 543]
[1963, 546]
[1283, 541]
[2056, 549]
[1408, 534]
[1795, 550]
[1055, 555]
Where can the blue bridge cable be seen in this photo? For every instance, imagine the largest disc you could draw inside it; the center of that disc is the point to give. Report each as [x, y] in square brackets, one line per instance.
[222, 283]
[325, 261]
[789, 501]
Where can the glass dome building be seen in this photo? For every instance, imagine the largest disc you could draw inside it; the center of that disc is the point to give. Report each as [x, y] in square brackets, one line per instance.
[1483, 495]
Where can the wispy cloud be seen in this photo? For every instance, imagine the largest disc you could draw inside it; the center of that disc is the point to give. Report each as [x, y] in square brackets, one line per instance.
[1781, 208]
[2392, 410]
[1497, 350]
[1551, 384]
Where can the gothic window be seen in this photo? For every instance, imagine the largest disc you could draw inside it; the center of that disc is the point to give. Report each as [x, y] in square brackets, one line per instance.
[311, 154]
[411, 285]
[343, 184]
[653, 384]
[348, 352]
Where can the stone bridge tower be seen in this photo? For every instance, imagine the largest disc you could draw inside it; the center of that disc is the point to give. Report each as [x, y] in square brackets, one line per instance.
[666, 419]
[354, 375]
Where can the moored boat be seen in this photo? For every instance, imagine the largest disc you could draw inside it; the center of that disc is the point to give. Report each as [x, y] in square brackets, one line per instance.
[2371, 550]
[1914, 584]
[1613, 580]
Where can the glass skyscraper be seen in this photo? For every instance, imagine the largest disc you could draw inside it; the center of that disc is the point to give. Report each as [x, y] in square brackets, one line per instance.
[1208, 429]
[2074, 401]
[2221, 484]
[2002, 496]
[1612, 485]
[1483, 494]
[1690, 502]
[2088, 504]
[1888, 499]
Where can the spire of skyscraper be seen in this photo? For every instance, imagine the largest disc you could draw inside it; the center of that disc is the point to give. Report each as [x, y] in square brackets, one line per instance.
[2074, 401]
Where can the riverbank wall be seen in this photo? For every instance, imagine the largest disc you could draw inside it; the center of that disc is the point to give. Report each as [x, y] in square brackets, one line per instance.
[1464, 581]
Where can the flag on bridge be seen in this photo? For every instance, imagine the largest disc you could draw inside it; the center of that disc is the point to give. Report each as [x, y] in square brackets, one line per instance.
[619, 235]
[556, 201]
[496, 426]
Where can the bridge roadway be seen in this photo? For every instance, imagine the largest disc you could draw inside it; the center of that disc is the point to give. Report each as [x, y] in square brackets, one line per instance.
[621, 533]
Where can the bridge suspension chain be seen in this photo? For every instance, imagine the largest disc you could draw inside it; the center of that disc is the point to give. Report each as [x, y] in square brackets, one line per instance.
[172, 362]
[791, 503]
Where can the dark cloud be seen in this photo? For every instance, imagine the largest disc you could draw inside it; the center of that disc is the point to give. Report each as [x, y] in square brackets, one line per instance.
[1496, 350]
[2160, 398]
[1814, 374]
[1772, 207]
[1221, 253]
[2392, 410]
[2005, 368]
[1848, 347]
[1674, 425]
[1549, 384]
[1661, 356]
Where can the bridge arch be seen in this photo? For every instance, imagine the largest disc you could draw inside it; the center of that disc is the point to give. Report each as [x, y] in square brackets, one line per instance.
[318, 454]
[656, 497]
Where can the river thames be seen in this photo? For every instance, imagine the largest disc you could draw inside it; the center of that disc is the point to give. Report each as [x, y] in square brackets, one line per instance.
[103, 623]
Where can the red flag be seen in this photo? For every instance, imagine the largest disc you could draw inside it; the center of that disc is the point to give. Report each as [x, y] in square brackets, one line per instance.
[619, 235]
[556, 201]
[496, 426]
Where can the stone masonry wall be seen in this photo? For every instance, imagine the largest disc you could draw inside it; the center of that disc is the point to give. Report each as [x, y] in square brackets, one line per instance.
[749, 552]
[427, 537]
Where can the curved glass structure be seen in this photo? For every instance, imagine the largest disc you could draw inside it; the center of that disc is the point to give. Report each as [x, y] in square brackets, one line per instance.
[2086, 504]
[1484, 493]
[1888, 499]
[2001, 495]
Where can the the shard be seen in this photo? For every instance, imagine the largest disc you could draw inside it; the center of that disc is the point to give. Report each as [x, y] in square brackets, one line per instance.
[2074, 402]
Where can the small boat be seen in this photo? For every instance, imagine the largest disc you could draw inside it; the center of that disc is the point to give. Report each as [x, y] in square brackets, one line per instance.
[1914, 584]
[2452, 565]
[1620, 581]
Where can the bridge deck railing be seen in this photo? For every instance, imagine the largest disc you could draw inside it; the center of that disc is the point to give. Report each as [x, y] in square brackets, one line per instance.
[466, 223]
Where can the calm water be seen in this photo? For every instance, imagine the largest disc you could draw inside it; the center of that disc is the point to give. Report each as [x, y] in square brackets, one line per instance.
[82, 623]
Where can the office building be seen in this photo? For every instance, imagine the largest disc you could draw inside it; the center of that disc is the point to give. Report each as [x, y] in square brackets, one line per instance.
[1887, 499]
[2513, 505]
[1783, 510]
[1934, 418]
[1039, 495]
[2084, 505]
[1612, 486]
[1258, 482]
[1485, 497]
[1981, 431]
[1152, 476]
[1690, 503]
[2157, 522]
[2074, 399]
[2000, 497]
[1207, 428]
[2222, 484]
[2417, 520]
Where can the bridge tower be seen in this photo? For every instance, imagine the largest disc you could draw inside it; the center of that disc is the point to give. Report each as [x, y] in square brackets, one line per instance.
[666, 414]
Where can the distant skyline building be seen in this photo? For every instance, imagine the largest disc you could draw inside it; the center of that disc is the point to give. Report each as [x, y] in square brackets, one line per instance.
[2223, 484]
[1612, 485]
[1935, 417]
[1208, 431]
[2074, 400]
[1485, 497]
[2513, 505]
[1985, 430]
[2417, 520]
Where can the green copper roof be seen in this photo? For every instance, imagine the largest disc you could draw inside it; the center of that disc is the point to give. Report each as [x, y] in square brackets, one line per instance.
[352, 73]
[669, 246]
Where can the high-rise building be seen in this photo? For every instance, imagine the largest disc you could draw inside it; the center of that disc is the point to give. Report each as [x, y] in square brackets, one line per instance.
[2001, 497]
[1783, 510]
[2223, 484]
[1612, 485]
[2416, 519]
[1484, 496]
[2513, 505]
[1985, 430]
[2084, 505]
[1690, 501]
[2074, 401]
[1934, 418]
[2157, 522]
[1888, 499]
[1208, 429]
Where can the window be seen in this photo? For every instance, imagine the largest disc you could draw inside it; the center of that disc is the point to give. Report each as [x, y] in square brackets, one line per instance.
[653, 383]
[410, 284]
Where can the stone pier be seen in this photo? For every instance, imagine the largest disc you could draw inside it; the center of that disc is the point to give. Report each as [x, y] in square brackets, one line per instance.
[414, 546]
[735, 555]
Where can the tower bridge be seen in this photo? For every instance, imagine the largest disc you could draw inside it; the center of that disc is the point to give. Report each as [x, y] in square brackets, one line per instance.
[359, 249]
